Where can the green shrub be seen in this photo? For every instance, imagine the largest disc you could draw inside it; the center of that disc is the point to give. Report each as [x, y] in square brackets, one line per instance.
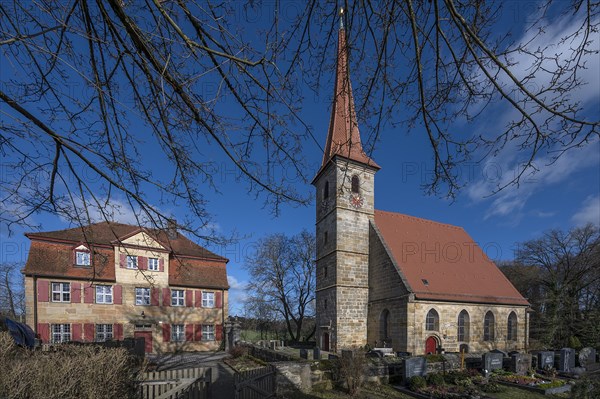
[492, 387]
[587, 387]
[435, 358]
[435, 379]
[416, 383]
[553, 384]
[574, 342]
[70, 372]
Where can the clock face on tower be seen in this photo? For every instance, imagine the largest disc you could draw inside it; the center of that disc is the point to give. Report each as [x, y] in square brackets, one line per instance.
[356, 201]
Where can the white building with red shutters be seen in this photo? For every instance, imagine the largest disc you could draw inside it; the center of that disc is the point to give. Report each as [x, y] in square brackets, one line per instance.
[113, 281]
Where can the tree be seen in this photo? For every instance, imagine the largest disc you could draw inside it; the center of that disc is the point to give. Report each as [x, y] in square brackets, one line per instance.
[89, 86]
[12, 291]
[282, 275]
[560, 275]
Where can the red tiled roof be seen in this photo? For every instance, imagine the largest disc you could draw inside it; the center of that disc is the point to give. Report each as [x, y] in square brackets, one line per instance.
[442, 262]
[109, 233]
[343, 138]
[51, 254]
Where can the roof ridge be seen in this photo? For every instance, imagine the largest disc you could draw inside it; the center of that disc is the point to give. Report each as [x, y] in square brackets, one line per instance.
[419, 219]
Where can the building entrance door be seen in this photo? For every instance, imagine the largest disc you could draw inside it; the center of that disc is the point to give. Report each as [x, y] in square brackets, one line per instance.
[147, 335]
[325, 345]
[430, 345]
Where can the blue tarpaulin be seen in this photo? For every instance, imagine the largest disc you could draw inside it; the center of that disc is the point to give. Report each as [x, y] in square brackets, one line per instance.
[21, 333]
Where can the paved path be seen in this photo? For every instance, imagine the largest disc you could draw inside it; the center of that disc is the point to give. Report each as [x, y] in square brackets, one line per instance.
[222, 375]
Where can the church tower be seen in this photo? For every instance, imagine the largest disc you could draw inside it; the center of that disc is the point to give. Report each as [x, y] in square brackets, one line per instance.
[345, 204]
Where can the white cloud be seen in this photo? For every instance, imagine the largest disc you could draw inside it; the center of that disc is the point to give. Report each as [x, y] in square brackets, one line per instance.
[589, 212]
[237, 294]
[509, 202]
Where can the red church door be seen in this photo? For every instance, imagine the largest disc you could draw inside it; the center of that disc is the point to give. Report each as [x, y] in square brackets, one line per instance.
[147, 335]
[430, 345]
[325, 345]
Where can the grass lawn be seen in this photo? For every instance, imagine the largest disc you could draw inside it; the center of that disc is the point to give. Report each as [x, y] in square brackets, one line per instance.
[516, 393]
[369, 391]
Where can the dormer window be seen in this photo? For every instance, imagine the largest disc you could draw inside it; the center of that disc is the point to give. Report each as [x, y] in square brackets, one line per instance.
[355, 184]
[82, 258]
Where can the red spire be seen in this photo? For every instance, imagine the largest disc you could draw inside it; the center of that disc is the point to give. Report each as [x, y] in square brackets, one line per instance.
[343, 138]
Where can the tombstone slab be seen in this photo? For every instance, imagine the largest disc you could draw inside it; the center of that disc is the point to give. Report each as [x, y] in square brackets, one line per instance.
[545, 360]
[520, 363]
[566, 360]
[492, 361]
[303, 354]
[587, 357]
[414, 366]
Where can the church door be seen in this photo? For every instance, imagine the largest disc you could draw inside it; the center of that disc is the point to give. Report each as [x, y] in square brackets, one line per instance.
[325, 345]
[430, 345]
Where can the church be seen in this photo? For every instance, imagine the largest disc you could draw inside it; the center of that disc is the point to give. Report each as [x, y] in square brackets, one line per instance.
[393, 280]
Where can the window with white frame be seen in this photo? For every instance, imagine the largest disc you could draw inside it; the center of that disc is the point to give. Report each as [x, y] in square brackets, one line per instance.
[61, 333]
[177, 298]
[142, 296]
[178, 333]
[208, 299]
[82, 258]
[153, 264]
[61, 292]
[104, 294]
[104, 332]
[208, 332]
[132, 262]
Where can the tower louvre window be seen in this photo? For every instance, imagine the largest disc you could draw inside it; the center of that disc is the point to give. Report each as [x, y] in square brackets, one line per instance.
[326, 190]
[355, 184]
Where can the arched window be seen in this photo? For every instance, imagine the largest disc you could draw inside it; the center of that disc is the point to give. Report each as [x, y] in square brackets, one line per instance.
[511, 334]
[384, 325]
[355, 184]
[463, 326]
[432, 322]
[326, 190]
[489, 327]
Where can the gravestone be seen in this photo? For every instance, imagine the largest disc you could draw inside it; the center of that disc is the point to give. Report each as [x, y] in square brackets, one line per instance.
[566, 360]
[545, 360]
[272, 345]
[587, 357]
[331, 356]
[492, 361]
[520, 363]
[316, 353]
[303, 354]
[414, 366]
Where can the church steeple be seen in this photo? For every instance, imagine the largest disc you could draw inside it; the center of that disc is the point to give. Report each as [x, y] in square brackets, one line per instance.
[343, 138]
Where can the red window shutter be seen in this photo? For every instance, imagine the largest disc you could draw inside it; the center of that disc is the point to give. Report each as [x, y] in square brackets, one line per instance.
[117, 294]
[166, 297]
[142, 263]
[123, 261]
[75, 292]
[89, 330]
[118, 331]
[189, 332]
[161, 264]
[166, 332]
[218, 299]
[43, 291]
[198, 334]
[198, 303]
[76, 332]
[44, 332]
[219, 332]
[88, 294]
[154, 296]
[189, 298]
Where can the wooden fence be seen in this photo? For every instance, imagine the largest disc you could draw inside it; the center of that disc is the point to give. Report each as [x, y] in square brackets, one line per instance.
[192, 383]
[255, 384]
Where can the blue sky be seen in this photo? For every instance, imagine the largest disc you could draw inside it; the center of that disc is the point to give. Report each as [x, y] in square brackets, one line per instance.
[562, 195]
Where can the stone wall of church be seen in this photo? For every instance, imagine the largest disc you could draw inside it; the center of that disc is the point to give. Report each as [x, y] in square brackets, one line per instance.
[387, 298]
[448, 326]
